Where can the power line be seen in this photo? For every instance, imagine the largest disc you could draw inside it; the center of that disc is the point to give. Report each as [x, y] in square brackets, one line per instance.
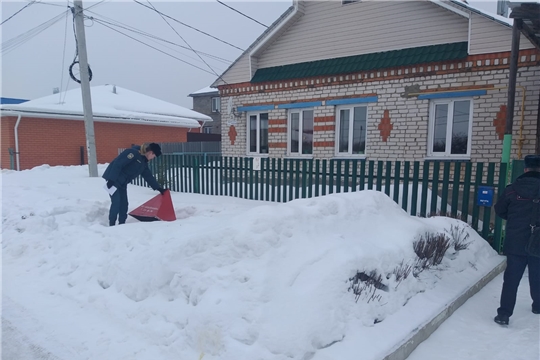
[15, 42]
[191, 27]
[241, 13]
[184, 40]
[24, 7]
[161, 51]
[140, 32]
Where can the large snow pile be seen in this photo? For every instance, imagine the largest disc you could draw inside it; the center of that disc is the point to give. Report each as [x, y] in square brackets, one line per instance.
[230, 279]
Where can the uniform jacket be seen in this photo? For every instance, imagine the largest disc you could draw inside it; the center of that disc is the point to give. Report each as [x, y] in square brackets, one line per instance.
[127, 166]
[516, 205]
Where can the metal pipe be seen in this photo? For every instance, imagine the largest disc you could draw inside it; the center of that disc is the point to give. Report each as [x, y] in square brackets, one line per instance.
[512, 78]
[521, 139]
[17, 141]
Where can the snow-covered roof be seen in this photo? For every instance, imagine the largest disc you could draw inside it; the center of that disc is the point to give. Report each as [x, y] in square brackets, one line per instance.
[110, 103]
[206, 90]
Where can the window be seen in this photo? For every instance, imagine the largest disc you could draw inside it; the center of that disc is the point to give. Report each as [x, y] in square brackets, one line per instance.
[450, 124]
[216, 104]
[351, 131]
[300, 132]
[258, 133]
[207, 130]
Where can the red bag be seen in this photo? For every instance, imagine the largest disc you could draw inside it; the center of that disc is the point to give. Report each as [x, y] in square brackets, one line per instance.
[159, 207]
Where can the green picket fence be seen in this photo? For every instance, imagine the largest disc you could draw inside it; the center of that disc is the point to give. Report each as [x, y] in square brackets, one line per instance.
[421, 188]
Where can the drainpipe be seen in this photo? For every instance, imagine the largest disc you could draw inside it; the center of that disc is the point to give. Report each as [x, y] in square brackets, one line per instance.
[17, 142]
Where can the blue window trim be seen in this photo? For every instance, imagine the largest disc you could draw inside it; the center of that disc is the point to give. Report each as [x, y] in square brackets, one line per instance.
[255, 108]
[361, 100]
[453, 94]
[300, 105]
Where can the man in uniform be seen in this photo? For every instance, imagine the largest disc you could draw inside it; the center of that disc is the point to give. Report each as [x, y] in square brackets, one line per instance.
[122, 170]
[515, 205]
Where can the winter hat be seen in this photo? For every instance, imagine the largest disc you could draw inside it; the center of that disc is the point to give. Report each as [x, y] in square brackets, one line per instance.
[155, 148]
[532, 162]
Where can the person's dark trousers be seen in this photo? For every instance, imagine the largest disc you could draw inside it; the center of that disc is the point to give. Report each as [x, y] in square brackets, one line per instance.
[515, 267]
[119, 206]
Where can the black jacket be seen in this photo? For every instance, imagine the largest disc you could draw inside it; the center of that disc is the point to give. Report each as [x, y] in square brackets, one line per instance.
[127, 166]
[516, 205]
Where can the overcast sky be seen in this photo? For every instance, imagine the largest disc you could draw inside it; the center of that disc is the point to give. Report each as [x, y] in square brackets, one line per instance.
[33, 68]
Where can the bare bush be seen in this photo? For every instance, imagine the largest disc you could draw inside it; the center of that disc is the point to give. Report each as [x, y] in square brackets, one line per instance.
[402, 272]
[367, 284]
[459, 237]
[430, 249]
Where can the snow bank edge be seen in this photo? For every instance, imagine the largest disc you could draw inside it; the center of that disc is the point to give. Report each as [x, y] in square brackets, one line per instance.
[422, 333]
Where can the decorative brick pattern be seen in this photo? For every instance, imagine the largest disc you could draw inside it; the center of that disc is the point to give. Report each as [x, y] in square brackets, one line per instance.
[385, 126]
[409, 116]
[500, 122]
[232, 134]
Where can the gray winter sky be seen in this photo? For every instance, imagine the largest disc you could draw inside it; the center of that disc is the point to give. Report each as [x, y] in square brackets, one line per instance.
[31, 69]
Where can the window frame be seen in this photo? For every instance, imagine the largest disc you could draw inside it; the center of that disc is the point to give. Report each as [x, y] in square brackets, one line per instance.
[258, 132]
[300, 131]
[215, 109]
[431, 129]
[349, 153]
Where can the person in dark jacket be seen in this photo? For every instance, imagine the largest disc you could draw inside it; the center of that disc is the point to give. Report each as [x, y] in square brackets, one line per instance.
[516, 206]
[122, 170]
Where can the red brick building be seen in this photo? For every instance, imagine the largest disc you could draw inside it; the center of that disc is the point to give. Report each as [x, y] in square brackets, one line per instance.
[51, 130]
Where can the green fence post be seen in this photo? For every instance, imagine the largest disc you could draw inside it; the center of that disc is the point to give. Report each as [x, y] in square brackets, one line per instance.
[466, 192]
[477, 182]
[406, 170]
[445, 186]
[317, 176]
[324, 172]
[425, 185]
[354, 174]
[380, 165]
[388, 178]
[435, 188]
[397, 180]
[487, 210]
[346, 176]
[498, 236]
[455, 189]
[414, 199]
[196, 176]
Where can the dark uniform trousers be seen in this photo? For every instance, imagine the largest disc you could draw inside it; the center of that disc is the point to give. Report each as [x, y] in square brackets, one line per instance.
[119, 206]
[515, 267]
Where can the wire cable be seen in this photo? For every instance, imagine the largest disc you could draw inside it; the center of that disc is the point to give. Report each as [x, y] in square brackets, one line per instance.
[11, 44]
[184, 40]
[140, 32]
[24, 7]
[191, 27]
[161, 51]
[241, 13]
[63, 58]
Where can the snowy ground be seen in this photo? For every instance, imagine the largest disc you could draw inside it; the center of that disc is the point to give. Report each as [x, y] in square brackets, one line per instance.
[471, 334]
[230, 279]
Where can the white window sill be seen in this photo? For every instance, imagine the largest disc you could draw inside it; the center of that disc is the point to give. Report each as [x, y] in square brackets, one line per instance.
[255, 155]
[447, 158]
[299, 157]
[350, 157]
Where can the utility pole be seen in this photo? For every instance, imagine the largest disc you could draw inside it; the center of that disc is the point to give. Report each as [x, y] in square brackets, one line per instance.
[85, 89]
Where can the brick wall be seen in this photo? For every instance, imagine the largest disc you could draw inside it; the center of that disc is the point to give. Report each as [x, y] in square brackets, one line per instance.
[408, 115]
[58, 142]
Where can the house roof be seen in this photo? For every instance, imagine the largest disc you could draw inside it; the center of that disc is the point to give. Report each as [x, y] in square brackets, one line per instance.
[6, 100]
[350, 64]
[110, 103]
[205, 91]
